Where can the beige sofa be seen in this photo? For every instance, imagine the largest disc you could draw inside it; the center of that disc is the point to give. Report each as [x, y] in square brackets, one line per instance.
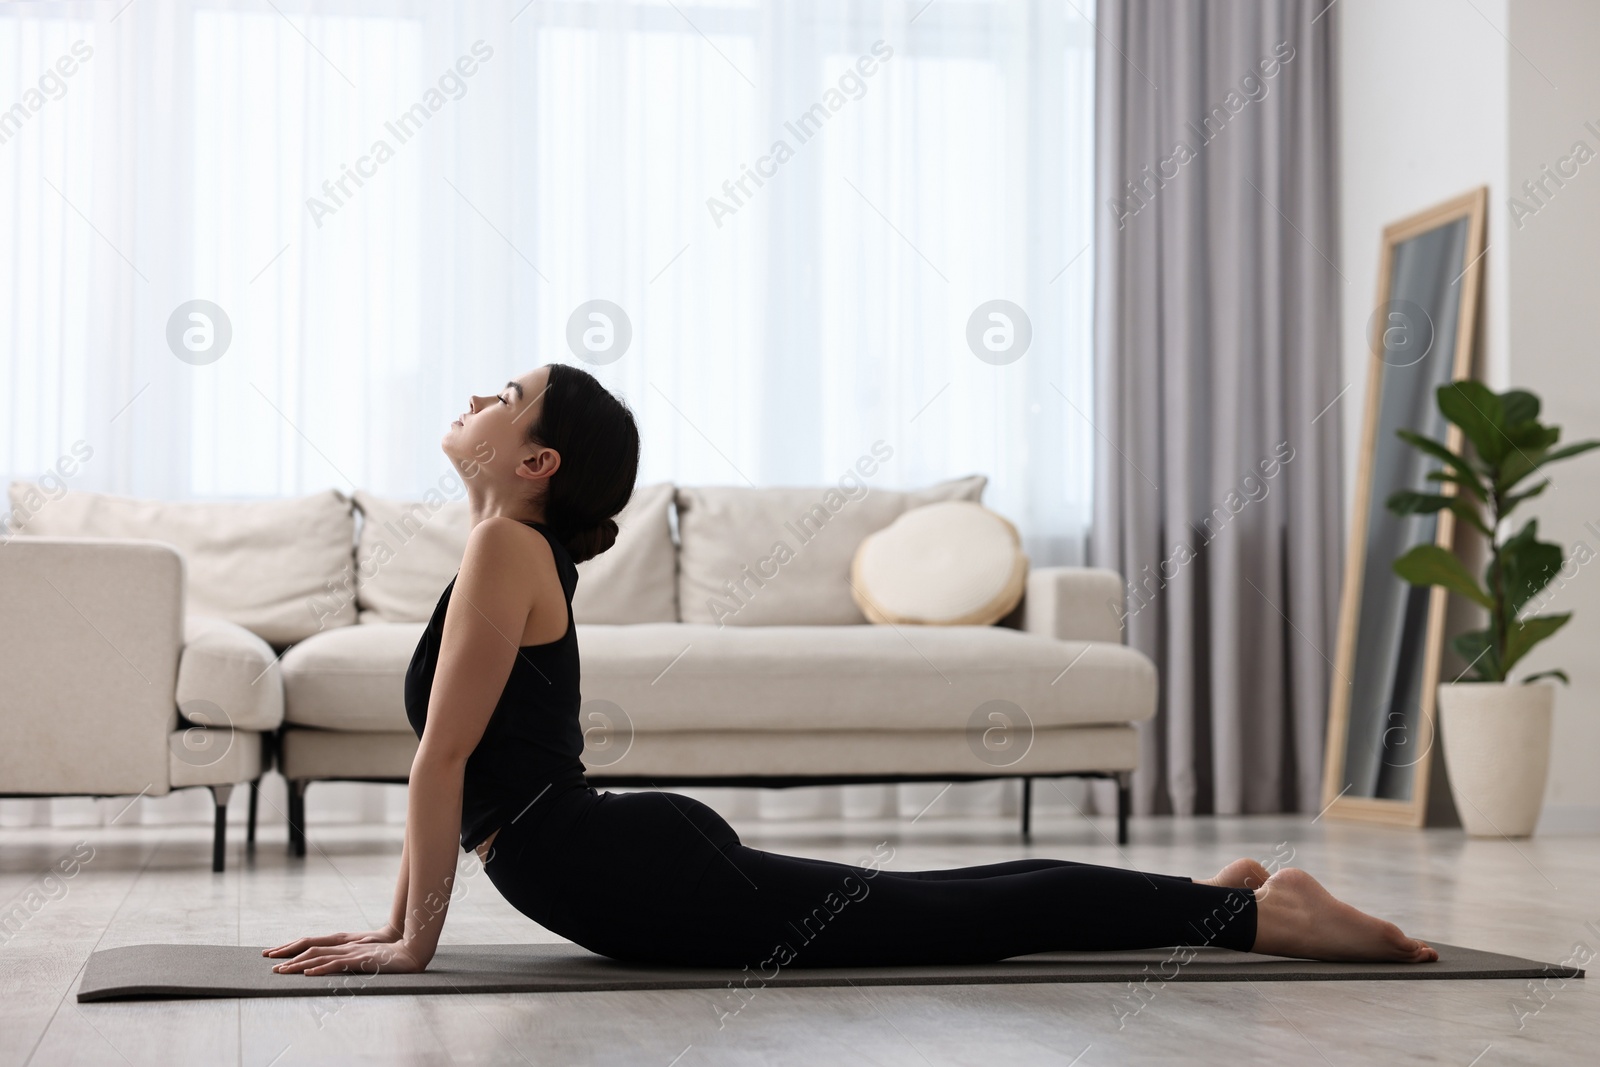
[112, 688]
[720, 640]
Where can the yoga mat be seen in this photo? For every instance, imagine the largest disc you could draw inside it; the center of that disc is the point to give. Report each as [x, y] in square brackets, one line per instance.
[147, 971]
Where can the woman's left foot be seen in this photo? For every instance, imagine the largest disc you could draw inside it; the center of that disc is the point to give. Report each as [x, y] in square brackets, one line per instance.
[1243, 873]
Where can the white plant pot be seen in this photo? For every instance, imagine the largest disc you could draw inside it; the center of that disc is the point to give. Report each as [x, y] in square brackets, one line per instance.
[1497, 751]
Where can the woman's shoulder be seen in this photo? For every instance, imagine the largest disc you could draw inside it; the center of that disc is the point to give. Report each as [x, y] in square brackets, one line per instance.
[559, 550]
[507, 572]
[504, 551]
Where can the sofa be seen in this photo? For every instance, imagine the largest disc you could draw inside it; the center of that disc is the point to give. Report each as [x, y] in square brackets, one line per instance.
[721, 642]
[112, 688]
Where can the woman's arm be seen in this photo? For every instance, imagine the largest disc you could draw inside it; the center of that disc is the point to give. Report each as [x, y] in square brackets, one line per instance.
[502, 574]
[397, 911]
[433, 821]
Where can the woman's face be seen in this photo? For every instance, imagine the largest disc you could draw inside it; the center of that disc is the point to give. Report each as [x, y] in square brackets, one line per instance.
[492, 432]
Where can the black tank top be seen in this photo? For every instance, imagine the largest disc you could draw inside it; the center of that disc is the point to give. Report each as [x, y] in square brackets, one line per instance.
[532, 748]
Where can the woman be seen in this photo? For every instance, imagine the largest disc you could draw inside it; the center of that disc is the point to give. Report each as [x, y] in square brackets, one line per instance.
[492, 692]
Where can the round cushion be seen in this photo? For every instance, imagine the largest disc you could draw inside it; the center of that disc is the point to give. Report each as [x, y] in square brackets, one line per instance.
[954, 563]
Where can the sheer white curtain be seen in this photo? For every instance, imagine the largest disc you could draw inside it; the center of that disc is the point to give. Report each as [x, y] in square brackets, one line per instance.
[798, 206]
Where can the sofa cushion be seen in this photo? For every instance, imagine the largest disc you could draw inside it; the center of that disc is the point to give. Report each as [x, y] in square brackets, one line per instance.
[408, 551]
[682, 676]
[954, 563]
[636, 579]
[228, 677]
[705, 677]
[816, 753]
[781, 555]
[352, 678]
[311, 753]
[200, 756]
[1074, 604]
[280, 568]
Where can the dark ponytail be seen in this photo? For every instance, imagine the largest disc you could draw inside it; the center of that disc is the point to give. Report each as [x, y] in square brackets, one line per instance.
[589, 543]
[599, 444]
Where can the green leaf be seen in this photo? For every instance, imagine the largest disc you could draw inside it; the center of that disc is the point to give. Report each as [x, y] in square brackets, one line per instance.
[1520, 406]
[1532, 437]
[1509, 502]
[1525, 633]
[1467, 512]
[1518, 465]
[1528, 564]
[1548, 674]
[1469, 483]
[1525, 536]
[1479, 413]
[1432, 565]
[1525, 449]
[1570, 450]
[1409, 502]
[1460, 464]
[1476, 649]
[1515, 467]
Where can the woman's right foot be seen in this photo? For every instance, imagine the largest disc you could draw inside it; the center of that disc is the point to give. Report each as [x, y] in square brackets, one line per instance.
[1296, 916]
[1240, 874]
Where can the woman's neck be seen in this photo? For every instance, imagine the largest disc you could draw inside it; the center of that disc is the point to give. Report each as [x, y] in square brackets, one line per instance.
[487, 506]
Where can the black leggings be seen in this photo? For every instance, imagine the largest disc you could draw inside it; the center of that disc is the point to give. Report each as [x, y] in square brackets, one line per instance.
[655, 877]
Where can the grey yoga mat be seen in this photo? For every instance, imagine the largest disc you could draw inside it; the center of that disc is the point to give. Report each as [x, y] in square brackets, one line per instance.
[147, 971]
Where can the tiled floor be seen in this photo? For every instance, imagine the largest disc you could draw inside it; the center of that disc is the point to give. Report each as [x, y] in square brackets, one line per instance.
[1533, 898]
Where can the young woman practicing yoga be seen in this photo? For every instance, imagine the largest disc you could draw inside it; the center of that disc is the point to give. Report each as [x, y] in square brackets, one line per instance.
[493, 694]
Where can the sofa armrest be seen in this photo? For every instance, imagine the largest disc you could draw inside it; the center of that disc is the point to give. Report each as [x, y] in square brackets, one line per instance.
[92, 629]
[1073, 604]
[228, 677]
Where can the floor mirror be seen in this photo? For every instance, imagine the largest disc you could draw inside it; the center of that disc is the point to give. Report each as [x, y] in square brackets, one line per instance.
[1381, 724]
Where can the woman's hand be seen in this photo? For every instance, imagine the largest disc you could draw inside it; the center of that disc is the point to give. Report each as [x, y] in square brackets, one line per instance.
[366, 957]
[388, 935]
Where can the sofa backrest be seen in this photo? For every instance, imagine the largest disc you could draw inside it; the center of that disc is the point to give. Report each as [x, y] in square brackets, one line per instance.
[780, 556]
[408, 551]
[289, 568]
[281, 567]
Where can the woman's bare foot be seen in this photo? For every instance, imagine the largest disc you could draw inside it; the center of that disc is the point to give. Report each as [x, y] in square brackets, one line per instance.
[1296, 916]
[1240, 874]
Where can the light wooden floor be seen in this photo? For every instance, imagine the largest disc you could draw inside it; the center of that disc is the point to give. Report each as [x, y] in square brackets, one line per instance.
[1533, 898]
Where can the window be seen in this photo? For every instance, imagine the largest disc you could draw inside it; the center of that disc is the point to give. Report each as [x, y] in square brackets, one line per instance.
[387, 232]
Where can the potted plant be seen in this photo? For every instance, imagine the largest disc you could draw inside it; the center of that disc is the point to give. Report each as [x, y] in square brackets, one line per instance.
[1496, 733]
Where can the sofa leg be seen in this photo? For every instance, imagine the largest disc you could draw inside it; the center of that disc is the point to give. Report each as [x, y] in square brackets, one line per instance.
[1124, 803]
[297, 817]
[1027, 807]
[219, 835]
[250, 824]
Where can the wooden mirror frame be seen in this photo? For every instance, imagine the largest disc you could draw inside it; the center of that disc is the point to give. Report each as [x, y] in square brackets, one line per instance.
[1412, 812]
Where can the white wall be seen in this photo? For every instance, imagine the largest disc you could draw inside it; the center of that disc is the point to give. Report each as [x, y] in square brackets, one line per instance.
[1422, 115]
[1555, 341]
[1436, 97]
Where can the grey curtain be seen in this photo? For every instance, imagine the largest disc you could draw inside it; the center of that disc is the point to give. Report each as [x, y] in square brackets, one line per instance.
[1218, 392]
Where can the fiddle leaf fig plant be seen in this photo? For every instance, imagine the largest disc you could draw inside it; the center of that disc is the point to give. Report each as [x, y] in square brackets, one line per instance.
[1509, 445]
